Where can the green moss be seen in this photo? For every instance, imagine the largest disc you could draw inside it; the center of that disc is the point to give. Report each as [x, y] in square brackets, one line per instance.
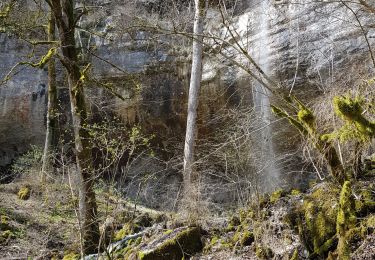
[214, 240]
[138, 241]
[347, 108]
[4, 222]
[346, 220]
[226, 245]
[263, 200]
[276, 195]
[243, 215]
[357, 126]
[366, 203]
[326, 247]
[71, 256]
[186, 242]
[263, 252]
[295, 255]
[247, 238]
[370, 222]
[167, 232]
[295, 192]
[294, 122]
[306, 116]
[346, 217]
[128, 229]
[233, 223]
[5, 235]
[316, 219]
[24, 193]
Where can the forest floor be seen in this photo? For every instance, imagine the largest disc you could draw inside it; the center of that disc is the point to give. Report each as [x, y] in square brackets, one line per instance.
[44, 226]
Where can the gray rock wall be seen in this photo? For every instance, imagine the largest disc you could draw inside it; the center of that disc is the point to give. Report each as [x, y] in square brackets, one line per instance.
[22, 102]
[315, 43]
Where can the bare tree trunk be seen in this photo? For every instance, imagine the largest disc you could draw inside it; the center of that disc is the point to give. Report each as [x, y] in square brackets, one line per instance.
[65, 20]
[51, 126]
[195, 82]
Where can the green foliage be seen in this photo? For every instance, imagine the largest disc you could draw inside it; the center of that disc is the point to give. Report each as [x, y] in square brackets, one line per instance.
[30, 159]
[111, 139]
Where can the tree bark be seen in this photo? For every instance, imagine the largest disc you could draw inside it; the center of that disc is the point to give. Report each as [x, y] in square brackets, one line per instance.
[52, 121]
[195, 82]
[63, 12]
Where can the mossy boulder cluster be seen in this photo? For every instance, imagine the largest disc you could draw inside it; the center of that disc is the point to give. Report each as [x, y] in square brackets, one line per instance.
[178, 244]
[327, 220]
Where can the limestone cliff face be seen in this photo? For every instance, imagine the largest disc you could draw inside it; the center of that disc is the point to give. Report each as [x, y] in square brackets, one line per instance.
[311, 46]
[313, 40]
[22, 103]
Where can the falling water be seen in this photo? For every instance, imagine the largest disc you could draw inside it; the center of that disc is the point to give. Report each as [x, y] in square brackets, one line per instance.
[270, 173]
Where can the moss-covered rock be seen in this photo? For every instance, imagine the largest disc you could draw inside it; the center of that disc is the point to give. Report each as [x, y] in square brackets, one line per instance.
[185, 241]
[24, 193]
[71, 256]
[317, 219]
[127, 229]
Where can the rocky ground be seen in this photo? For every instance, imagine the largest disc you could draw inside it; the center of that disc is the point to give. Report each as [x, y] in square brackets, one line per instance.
[38, 221]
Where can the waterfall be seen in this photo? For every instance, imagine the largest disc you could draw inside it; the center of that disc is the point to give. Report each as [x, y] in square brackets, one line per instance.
[269, 172]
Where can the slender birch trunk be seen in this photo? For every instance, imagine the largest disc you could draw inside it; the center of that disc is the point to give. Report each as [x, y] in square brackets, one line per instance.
[52, 122]
[65, 21]
[195, 82]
